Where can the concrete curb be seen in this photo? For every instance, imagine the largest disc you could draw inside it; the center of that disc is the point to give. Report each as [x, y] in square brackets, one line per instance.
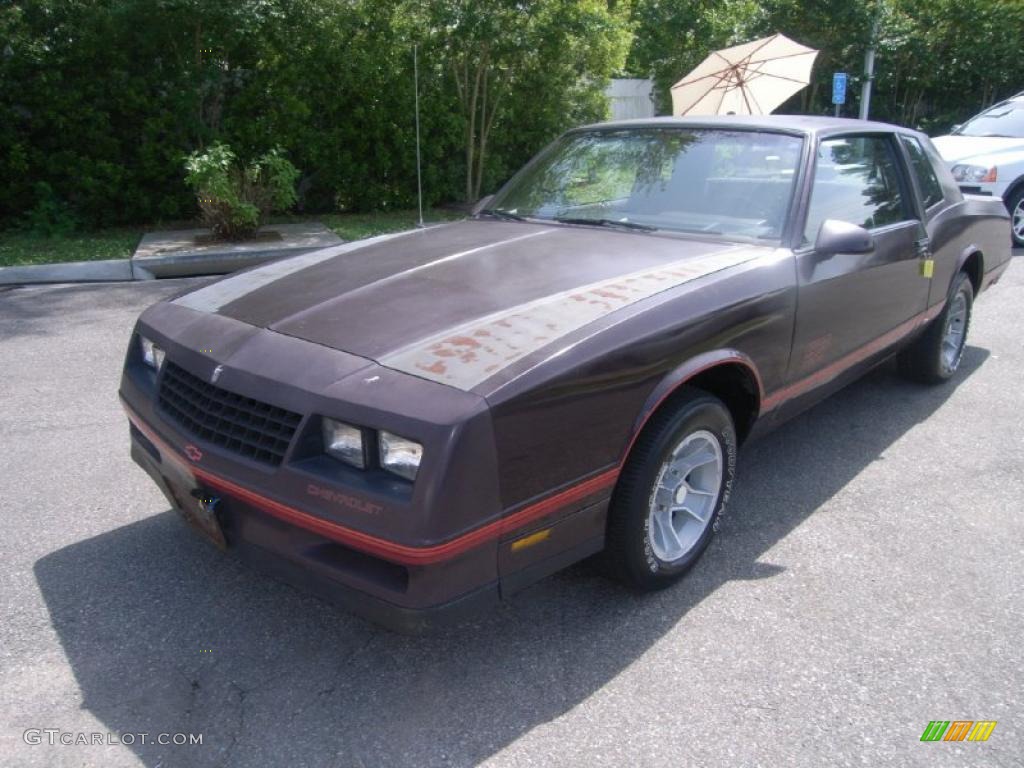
[127, 270]
[177, 253]
[214, 263]
[106, 271]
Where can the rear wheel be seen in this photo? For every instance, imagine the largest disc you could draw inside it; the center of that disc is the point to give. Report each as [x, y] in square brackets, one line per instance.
[671, 492]
[935, 356]
[1015, 205]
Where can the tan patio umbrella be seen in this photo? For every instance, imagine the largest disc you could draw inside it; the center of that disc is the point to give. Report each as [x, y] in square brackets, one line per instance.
[749, 79]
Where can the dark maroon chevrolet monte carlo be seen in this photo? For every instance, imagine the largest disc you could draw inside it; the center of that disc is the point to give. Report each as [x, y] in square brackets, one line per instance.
[419, 423]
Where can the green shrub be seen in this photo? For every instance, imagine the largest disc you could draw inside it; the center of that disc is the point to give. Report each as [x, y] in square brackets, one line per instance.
[235, 199]
[50, 216]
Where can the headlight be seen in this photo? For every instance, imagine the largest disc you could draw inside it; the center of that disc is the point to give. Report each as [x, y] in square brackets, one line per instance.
[400, 455]
[152, 355]
[344, 442]
[976, 173]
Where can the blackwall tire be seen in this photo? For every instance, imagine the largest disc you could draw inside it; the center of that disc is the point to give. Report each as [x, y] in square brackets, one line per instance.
[1015, 206]
[672, 491]
[935, 355]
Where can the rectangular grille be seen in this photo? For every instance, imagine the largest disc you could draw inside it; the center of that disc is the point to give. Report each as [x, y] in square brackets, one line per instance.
[248, 427]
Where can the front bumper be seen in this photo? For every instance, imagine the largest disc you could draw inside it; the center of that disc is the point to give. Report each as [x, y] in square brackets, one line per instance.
[411, 599]
[984, 188]
[402, 598]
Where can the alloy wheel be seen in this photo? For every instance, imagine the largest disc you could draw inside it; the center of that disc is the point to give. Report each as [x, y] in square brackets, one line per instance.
[956, 331]
[685, 495]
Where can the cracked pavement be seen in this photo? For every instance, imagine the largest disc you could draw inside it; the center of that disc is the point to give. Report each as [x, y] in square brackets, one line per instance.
[867, 579]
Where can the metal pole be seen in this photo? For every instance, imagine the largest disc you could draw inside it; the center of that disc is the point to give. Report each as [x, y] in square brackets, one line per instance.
[837, 110]
[419, 175]
[869, 71]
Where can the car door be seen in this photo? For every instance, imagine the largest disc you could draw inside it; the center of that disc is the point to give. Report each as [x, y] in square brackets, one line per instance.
[850, 305]
[935, 198]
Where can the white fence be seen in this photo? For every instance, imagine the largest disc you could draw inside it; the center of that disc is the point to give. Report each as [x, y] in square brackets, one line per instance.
[630, 98]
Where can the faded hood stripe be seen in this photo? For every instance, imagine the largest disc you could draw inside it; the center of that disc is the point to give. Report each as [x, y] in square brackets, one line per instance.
[466, 356]
[223, 292]
[459, 255]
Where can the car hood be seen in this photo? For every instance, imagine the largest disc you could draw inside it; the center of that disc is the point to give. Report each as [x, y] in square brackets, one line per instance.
[975, 149]
[456, 303]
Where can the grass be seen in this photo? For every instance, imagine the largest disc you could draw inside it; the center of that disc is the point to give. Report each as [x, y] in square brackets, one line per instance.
[356, 226]
[23, 248]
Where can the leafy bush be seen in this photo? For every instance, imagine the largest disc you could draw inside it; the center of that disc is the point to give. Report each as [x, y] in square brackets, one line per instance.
[50, 216]
[234, 199]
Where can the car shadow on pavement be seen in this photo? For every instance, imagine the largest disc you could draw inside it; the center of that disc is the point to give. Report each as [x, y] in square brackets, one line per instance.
[166, 635]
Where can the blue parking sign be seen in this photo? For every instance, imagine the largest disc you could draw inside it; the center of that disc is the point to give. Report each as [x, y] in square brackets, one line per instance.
[839, 88]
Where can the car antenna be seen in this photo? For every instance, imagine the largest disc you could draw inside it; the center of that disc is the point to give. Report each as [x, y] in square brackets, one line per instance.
[416, 91]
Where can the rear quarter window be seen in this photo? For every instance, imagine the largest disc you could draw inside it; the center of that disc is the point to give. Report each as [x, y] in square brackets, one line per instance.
[927, 180]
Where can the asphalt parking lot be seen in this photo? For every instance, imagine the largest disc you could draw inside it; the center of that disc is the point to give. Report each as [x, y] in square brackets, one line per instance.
[868, 579]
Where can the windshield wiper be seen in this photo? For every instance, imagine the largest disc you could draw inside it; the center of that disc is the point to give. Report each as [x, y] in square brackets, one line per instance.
[498, 213]
[604, 223]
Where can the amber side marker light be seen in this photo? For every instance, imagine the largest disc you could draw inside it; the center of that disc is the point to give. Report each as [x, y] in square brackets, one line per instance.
[529, 541]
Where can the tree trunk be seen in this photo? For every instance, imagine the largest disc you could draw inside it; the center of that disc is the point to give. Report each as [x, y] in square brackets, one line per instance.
[482, 148]
[471, 130]
[199, 75]
[487, 120]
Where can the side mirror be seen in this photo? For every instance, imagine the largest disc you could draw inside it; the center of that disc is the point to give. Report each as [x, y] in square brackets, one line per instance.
[482, 203]
[837, 236]
[956, 127]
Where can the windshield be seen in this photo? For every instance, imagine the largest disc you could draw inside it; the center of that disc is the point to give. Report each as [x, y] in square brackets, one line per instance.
[1002, 120]
[736, 184]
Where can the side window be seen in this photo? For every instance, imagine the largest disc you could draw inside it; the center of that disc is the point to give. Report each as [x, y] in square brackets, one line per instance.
[931, 190]
[856, 179]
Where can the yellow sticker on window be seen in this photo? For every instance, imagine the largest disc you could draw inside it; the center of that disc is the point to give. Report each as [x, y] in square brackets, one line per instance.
[927, 267]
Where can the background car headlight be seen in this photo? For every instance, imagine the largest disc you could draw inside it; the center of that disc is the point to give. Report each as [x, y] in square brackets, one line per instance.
[344, 442]
[152, 355]
[977, 173]
[400, 455]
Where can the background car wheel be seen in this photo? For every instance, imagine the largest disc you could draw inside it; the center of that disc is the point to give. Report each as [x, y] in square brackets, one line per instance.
[671, 492]
[935, 356]
[1015, 205]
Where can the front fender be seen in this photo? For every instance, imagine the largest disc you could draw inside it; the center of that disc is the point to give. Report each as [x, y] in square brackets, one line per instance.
[686, 372]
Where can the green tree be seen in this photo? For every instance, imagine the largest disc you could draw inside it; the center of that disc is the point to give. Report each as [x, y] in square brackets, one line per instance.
[510, 57]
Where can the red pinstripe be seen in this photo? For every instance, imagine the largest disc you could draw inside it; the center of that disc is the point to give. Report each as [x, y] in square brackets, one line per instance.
[388, 550]
[858, 355]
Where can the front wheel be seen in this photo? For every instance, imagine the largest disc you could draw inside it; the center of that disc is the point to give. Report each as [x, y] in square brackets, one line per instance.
[935, 356]
[671, 493]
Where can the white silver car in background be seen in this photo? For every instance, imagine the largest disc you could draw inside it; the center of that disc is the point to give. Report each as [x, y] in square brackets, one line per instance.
[986, 156]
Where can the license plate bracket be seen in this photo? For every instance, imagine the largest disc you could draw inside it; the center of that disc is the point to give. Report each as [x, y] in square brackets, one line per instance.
[198, 506]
